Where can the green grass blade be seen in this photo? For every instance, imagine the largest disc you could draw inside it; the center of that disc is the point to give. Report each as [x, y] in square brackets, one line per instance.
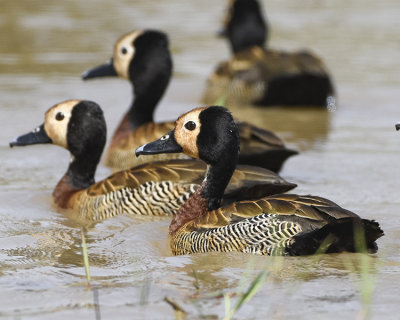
[228, 312]
[252, 290]
[196, 282]
[221, 101]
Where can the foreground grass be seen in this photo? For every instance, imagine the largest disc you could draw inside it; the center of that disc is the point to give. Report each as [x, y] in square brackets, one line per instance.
[94, 289]
[359, 266]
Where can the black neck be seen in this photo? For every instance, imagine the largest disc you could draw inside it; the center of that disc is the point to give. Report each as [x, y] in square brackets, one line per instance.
[217, 178]
[144, 103]
[149, 72]
[81, 171]
[86, 136]
[247, 28]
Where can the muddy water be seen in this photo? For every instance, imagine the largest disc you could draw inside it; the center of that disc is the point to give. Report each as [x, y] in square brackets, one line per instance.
[350, 155]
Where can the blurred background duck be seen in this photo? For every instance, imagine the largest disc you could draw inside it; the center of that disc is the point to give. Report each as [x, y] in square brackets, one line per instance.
[152, 189]
[143, 58]
[259, 75]
[280, 224]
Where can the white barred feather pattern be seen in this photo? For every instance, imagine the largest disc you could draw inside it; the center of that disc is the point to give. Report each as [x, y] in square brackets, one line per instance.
[150, 198]
[263, 234]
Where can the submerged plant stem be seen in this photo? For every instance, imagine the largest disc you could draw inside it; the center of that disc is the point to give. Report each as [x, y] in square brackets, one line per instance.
[85, 256]
[180, 314]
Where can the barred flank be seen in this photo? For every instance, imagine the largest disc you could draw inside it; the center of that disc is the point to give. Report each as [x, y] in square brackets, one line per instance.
[264, 234]
[150, 198]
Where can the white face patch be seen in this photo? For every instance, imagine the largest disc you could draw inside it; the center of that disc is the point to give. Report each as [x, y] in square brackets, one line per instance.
[124, 52]
[56, 122]
[187, 128]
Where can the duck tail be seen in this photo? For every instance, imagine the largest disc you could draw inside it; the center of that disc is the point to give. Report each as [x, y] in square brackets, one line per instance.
[346, 234]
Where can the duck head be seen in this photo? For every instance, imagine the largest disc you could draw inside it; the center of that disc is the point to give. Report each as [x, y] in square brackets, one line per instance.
[72, 124]
[207, 133]
[76, 125]
[137, 56]
[143, 58]
[397, 126]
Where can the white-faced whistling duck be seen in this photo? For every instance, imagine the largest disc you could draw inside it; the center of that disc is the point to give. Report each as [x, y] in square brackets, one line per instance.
[263, 76]
[143, 58]
[280, 224]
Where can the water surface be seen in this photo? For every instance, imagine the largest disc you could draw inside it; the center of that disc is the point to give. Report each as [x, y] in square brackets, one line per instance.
[350, 155]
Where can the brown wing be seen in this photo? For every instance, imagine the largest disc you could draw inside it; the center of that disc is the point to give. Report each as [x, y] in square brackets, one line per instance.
[277, 63]
[273, 63]
[179, 171]
[308, 211]
[261, 147]
[252, 137]
[250, 182]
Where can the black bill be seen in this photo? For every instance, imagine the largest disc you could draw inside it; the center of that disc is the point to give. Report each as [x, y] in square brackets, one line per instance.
[104, 70]
[166, 144]
[36, 136]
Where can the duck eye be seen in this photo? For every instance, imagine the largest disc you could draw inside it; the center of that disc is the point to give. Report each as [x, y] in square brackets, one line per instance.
[59, 116]
[124, 50]
[190, 125]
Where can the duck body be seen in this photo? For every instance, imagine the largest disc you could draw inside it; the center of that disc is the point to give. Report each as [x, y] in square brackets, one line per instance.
[143, 58]
[260, 76]
[276, 224]
[152, 189]
[267, 77]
